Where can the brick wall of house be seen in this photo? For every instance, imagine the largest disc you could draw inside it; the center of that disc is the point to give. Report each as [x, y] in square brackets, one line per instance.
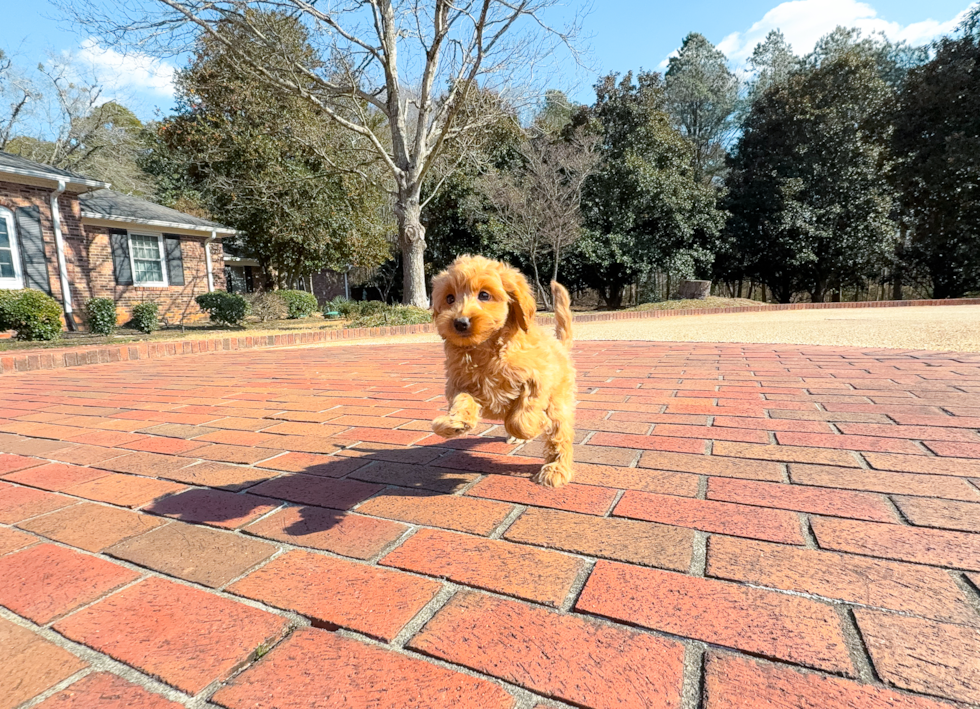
[88, 257]
[97, 279]
[13, 195]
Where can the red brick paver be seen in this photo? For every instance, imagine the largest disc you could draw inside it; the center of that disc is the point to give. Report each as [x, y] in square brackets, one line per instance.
[106, 691]
[597, 665]
[148, 626]
[749, 526]
[30, 664]
[352, 674]
[45, 581]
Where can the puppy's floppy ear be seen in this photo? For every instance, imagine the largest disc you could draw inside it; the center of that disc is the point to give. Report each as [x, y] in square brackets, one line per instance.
[439, 284]
[522, 303]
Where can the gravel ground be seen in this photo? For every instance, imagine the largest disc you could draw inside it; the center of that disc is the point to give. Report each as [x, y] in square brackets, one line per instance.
[956, 327]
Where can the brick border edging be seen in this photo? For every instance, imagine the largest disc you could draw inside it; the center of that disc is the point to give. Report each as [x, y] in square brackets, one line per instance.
[32, 360]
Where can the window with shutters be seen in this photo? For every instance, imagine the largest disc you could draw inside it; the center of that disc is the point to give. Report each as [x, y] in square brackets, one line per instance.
[147, 255]
[10, 275]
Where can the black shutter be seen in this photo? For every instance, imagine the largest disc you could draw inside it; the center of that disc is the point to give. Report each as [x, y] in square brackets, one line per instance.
[122, 267]
[31, 242]
[175, 261]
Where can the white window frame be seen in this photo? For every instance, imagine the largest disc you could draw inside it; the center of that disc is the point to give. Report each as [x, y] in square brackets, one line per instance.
[17, 282]
[165, 283]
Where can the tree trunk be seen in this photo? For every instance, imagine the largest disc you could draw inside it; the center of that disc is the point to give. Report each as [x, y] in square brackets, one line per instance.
[537, 282]
[613, 295]
[898, 276]
[411, 239]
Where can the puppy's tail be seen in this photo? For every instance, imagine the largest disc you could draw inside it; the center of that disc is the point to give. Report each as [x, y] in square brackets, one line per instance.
[563, 313]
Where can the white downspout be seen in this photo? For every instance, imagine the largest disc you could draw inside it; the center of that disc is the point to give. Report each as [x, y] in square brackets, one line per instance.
[59, 243]
[207, 258]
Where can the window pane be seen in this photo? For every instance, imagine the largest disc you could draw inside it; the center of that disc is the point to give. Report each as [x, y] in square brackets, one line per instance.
[148, 271]
[146, 259]
[4, 237]
[145, 247]
[7, 264]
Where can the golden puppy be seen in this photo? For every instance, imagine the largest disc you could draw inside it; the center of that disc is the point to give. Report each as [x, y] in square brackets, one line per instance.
[500, 364]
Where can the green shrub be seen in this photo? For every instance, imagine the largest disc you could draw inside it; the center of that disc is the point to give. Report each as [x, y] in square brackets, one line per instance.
[32, 314]
[145, 316]
[339, 305]
[101, 316]
[391, 315]
[300, 303]
[268, 305]
[356, 308]
[223, 307]
[7, 299]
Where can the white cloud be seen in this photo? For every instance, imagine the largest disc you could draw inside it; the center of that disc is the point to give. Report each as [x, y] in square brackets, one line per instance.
[125, 73]
[803, 22]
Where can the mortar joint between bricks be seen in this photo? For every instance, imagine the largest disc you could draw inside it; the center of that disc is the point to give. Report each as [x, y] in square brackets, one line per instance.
[897, 511]
[463, 489]
[856, 646]
[391, 546]
[202, 698]
[699, 553]
[428, 611]
[970, 588]
[692, 683]
[806, 527]
[578, 585]
[615, 501]
[59, 687]
[280, 551]
[507, 522]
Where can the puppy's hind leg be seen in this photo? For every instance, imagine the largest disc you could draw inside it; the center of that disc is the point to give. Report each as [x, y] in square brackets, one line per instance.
[463, 415]
[558, 451]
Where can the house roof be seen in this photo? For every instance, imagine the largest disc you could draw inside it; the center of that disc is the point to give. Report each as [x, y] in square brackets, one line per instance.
[110, 205]
[16, 165]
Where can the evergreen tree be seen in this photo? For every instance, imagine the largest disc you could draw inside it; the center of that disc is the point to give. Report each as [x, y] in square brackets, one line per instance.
[810, 198]
[644, 205]
[701, 99]
[937, 141]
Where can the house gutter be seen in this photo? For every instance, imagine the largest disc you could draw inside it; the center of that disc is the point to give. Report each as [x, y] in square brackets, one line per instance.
[59, 243]
[207, 258]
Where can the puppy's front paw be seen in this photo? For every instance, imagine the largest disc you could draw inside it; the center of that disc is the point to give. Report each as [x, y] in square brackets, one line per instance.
[553, 475]
[449, 427]
[514, 439]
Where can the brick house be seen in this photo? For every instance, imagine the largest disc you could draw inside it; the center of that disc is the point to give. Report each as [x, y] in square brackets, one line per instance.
[75, 239]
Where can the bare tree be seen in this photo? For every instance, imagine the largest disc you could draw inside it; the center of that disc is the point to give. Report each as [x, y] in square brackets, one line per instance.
[17, 96]
[69, 124]
[412, 61]
[539, 203]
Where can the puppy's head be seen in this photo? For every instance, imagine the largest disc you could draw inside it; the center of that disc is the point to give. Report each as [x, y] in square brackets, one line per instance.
[475, 298]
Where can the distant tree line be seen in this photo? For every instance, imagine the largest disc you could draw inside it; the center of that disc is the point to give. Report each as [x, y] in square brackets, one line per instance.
[850, 172]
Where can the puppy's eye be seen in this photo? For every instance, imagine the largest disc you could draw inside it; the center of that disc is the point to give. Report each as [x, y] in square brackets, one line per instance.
[484, 295]
[450, 299]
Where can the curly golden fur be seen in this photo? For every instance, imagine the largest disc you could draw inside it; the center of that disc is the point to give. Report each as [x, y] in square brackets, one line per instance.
[500, 364]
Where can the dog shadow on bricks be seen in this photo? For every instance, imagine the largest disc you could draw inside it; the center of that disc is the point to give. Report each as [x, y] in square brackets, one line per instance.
[376, 481]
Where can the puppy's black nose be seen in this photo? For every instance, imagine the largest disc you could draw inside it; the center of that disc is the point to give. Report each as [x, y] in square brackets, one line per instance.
[461, 324]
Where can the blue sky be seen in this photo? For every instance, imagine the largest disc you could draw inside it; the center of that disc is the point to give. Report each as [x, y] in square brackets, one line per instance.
[622, 35]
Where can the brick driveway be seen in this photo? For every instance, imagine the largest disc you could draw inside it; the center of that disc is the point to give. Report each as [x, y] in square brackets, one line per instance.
[750, 526]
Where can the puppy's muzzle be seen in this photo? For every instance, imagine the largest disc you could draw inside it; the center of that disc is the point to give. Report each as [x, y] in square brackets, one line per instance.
[461, 325]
